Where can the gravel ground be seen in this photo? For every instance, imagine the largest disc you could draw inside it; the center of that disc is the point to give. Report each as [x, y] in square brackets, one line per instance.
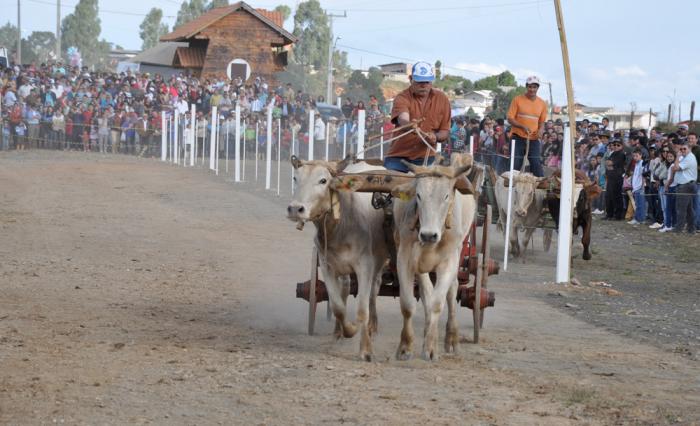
[136, 292]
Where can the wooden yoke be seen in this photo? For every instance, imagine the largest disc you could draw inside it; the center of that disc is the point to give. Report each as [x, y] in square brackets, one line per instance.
[386, 181]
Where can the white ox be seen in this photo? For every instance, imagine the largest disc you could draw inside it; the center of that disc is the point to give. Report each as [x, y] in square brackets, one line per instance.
[429, 229]
[349, 239]
[527, 205]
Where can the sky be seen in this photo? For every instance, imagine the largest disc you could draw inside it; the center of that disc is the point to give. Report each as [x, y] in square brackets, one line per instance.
[621, 51]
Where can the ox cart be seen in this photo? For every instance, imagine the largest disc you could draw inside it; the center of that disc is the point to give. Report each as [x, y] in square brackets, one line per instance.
[475, 265]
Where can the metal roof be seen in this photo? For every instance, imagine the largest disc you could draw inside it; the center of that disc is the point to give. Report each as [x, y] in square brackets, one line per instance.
[190, 57]
[160, 54]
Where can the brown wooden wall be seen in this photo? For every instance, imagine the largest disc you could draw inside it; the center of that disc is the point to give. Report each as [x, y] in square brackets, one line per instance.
[241, 35]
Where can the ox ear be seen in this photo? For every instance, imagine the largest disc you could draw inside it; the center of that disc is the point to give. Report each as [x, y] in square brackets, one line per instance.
[404, 191]
[543, 183]
[593, 191]
[296, 162]
[459, 171]
[341, 165]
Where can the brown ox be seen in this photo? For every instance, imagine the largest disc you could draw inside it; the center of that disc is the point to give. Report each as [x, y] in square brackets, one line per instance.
[583, 217]
[431, 220]
[349, 239]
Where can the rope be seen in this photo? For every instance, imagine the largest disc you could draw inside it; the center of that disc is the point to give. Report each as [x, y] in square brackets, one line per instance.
[368, 147]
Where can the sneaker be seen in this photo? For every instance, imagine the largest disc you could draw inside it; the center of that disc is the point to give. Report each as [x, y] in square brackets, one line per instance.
[598, 211]
[633, 222]
[665, 229]
[655, 225]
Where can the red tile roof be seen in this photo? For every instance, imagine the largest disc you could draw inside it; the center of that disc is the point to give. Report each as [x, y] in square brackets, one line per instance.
[195, 26]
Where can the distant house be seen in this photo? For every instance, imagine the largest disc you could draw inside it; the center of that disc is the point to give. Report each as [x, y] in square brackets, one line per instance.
[398, 71]
[159, 59]
[236, 40]
[480, 101]
[618, 119]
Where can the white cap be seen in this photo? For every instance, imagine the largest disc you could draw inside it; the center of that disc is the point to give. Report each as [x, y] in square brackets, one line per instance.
[533, 79]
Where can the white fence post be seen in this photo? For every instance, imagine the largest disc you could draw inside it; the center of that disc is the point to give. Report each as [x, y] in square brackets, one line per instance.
[510, 206]
[293, 153]
[176, 136]
[193, 134]
[345, 138]
[257, 124]
[279, 152]
[163, 137]
[311, 134]
[213, 138]
[361, 134]
[328, 138]
[245, 152]
[268, 148]
[565, 212]
[237, 145]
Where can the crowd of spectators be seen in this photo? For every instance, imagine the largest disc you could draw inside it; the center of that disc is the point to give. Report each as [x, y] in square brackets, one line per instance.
[648, 179]
[58, 107]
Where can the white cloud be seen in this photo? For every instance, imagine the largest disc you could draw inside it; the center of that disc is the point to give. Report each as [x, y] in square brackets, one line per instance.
[598, 74]
[630, 71]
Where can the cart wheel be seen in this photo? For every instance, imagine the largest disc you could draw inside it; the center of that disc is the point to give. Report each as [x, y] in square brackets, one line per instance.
[482, 277]
[547, 239]
[312, 290]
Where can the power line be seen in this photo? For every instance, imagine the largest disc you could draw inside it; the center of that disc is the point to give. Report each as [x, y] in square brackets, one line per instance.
[437, 9]
[99, 10]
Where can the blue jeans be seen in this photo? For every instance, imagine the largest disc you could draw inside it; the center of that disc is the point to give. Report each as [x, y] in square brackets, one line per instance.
[670, 218]
[394, 163]
[534, 155]
[640, 212]
[662, 199]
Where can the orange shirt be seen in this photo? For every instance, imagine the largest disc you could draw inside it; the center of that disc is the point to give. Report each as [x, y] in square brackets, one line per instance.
[528, 112]
[435, 113]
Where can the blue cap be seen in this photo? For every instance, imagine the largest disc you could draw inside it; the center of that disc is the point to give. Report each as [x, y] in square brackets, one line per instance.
[422, 72]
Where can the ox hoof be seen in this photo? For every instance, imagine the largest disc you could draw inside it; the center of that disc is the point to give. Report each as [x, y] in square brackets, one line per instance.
[368, 357]
[403, 354]
[452, 345]
[587, 256]
[430, 355]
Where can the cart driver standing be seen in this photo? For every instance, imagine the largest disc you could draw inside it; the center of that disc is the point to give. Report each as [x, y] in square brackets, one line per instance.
[421, 103]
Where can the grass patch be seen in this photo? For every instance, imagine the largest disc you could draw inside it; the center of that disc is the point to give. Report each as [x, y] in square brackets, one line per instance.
[579, 396]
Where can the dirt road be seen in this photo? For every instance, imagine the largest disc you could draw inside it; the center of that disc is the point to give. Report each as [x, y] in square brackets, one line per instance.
[138, 292]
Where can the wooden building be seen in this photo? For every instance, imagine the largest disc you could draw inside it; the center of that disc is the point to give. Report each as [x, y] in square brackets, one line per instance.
[235, 32]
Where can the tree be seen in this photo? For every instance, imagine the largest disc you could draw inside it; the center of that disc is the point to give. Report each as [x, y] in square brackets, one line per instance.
[152, 28]
[82, 29]
[40, 47]
[438, 69]
[312, 30]
[452, 83]
[492, 82]
[189, 11]
[502, 100]
[8, 35]
[216, 3]
[285, 11]
[506, 79]
[471, 113]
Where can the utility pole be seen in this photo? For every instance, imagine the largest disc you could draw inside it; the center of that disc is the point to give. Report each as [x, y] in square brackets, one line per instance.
[19, 35]
[551, 101]
[692, 112]
[566, 210]
[58, 29]
[669, 118]
[331, 44]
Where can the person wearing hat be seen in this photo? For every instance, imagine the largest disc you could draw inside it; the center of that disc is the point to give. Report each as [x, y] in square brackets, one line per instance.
[426, 106]
[685, 174]
[615, 169]
[682, 132]
[526, 115]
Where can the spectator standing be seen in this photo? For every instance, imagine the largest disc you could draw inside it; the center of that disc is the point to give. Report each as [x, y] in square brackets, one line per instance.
[695, 149]
[640, 211]
[670, 220]
[615, 169]
[686, 174]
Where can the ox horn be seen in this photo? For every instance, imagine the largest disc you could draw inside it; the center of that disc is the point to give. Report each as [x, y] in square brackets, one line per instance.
[412, 167]
[459, 171]
[341, 165]
[296, 162]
